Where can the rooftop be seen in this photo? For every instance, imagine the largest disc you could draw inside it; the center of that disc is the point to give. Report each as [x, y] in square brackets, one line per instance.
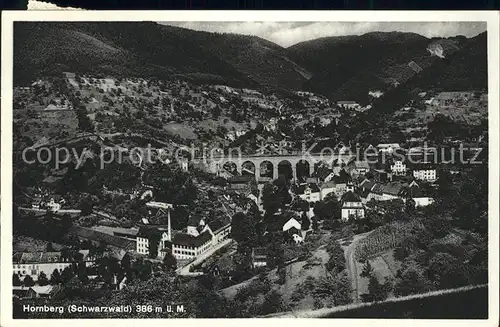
[97, 236]
[350, 197]
[192, 241]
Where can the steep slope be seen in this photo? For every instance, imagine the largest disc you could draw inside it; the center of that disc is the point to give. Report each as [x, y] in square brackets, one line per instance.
[113, 48]
[259, 59]
[464, 69]
[150, 49]
[349, 67]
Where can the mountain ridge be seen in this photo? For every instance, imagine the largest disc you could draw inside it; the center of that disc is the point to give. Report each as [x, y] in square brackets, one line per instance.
[341, 68]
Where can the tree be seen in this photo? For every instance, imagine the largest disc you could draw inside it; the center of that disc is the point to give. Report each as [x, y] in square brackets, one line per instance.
[305, 222]
[336, 262]
[272, 303]
[153, 242]
[337, 289]
[275, 250]
[55, 277]
[376, 291]
[86, 205]
[50, 247]
[329, 208]
[367, 270]
[67, 274]
[169, 262]
[42, 279]
[410, 206]
[126, 264]
[16, 281]
[28, 281]
[270, 201]
[447, 271]
[412, 281]
[243, 231]
[314, 223]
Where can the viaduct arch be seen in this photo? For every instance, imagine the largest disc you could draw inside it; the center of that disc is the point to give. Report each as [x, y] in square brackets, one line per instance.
[267, 166]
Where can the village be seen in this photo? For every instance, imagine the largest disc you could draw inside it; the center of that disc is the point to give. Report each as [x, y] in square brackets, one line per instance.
[267, 217]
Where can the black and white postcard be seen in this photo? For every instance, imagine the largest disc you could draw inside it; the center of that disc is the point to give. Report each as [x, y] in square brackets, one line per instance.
[249, 165]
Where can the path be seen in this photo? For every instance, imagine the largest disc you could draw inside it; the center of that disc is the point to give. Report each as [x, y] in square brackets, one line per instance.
[184, 271]
[352, 269]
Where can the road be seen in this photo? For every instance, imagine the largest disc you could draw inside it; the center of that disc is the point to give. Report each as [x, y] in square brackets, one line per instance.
[184, 271]
[352, 269]
[58, 211]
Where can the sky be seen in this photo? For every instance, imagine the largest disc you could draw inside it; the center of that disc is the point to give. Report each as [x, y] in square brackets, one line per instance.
[290, 33]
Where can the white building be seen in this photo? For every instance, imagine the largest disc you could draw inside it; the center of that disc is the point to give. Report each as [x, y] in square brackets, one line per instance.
[200, 237]
[309, 192]
[388, 147]
[399, 168]
[145, 233]
[348, 104]
[33, 263]
[427, 174]
[415, 193]
[352, 207]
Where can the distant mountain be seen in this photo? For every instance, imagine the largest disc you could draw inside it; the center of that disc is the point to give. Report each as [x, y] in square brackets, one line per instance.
[342, 68]
[150, 49]
[463, 69]
[349, 67]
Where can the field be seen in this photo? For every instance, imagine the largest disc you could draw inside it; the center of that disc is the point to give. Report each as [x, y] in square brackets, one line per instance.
[384, 266]
[296, 274]
[182, 130]
[384, 238]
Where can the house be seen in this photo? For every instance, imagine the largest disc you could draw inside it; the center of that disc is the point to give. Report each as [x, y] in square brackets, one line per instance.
[297, 239]
[327, 188]
[220, 229]
[352, 207]
[309, 192]
[398, 168]
[364, 189]
[385, 192]
[388, 147]
[243, 183]
[289, 223]
[348, 104]
[36, 202]
[357, 168]
[47, 291]
[33, 263]
[196, 225]
[128, 233]
[54, 203]
[425, 172]
[200, 237]
[323, 173]
[416, 193]
[380, 175]
[259, 257]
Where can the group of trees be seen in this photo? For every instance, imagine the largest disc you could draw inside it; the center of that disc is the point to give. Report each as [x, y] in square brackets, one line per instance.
[376, 291]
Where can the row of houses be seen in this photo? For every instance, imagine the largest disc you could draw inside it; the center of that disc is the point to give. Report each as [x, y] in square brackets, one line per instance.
[33, 263]
[370, 190]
